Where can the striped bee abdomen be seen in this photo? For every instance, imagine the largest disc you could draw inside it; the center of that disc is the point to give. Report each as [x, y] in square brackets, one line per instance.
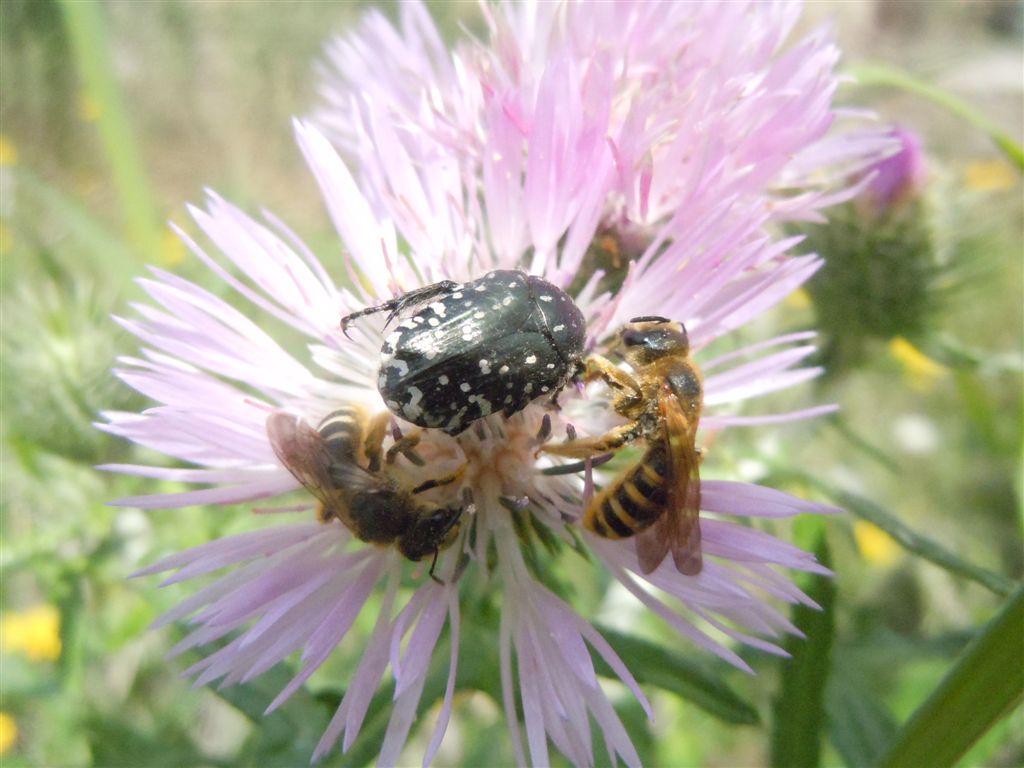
[634, 501]
[342, 431]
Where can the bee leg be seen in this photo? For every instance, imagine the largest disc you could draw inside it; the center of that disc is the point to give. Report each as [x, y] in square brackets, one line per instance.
[459, 568]
[600, 367]
[626, 389]
[374, 442]
[451, 477]
[608, 442]
[578, 466]
[433, 565]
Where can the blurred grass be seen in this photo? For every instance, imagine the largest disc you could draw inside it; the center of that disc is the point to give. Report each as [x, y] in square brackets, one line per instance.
[87, 29]
[112, 115]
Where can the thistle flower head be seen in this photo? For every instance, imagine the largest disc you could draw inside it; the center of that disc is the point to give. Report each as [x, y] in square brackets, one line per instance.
[884, 277]
[671, 137]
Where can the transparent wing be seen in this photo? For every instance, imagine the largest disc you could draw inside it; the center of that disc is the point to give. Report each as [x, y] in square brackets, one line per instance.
[678, 529]
[303, 451]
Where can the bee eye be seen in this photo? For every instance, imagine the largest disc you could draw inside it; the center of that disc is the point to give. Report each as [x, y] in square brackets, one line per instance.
[633, 338]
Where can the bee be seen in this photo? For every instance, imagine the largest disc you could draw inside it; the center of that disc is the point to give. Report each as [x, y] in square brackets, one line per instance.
[340, 463]
[657, 499]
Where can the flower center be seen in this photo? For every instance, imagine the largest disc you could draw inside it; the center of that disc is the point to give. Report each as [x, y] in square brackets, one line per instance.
[500, 454]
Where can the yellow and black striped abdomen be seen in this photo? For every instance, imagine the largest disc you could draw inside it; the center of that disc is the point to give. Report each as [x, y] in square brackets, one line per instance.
[342, 432]
[634, 501]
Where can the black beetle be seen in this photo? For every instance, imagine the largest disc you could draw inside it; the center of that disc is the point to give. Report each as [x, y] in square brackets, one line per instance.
[462, 351]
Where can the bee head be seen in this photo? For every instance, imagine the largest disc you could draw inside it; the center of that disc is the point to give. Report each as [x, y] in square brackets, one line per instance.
[649, 338]
[434, 529]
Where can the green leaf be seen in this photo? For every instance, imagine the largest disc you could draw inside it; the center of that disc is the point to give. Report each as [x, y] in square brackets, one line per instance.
[798, 715]
[891, 77]
[73, 631]
[905, 536]
[950, 352]
[478, 660]
[118, 743]
[371, 735]
[882, 458]
[859, 725]
[288, 734]
[983, 686]
[921, 545]
[637, 725]
[108, 253]
[655, 665]
[985, 415]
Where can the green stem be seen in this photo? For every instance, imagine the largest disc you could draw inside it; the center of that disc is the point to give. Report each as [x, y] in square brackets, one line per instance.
[986, 683]
[890, 77]
[87, 30]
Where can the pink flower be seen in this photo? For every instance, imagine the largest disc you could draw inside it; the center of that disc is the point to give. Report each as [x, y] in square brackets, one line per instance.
[683, 132]
[899, 177]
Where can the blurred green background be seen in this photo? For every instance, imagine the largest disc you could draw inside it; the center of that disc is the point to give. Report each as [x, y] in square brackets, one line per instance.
[113, 115]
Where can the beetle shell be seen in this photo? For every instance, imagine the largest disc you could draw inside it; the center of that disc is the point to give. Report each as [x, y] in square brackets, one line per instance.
[490, 345]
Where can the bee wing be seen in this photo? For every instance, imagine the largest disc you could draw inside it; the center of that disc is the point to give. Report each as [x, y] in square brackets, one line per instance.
[352, 477]
[678, 530]
[305, 454]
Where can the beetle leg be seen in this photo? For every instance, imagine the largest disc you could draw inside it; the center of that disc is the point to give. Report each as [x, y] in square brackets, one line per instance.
[374, 441]
[397, 304]
[451, 477]
[606, 443]
[346, 321]
[405, 445]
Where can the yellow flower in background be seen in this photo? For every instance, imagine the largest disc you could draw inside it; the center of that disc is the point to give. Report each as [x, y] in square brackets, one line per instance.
[874, 544]
[172, 249]
[34, 633]
[6, 239]
[88, 107]
[8, 733]
[919, 370]
[989, 175]
[798, 299]
[8, 152]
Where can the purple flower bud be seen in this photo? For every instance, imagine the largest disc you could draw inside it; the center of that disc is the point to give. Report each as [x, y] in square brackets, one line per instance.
[899, 177]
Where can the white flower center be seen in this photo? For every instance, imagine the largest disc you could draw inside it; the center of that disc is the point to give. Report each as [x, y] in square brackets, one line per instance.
[501, 453]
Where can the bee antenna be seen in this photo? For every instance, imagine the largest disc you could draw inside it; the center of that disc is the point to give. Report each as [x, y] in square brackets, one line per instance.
[650, 319]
